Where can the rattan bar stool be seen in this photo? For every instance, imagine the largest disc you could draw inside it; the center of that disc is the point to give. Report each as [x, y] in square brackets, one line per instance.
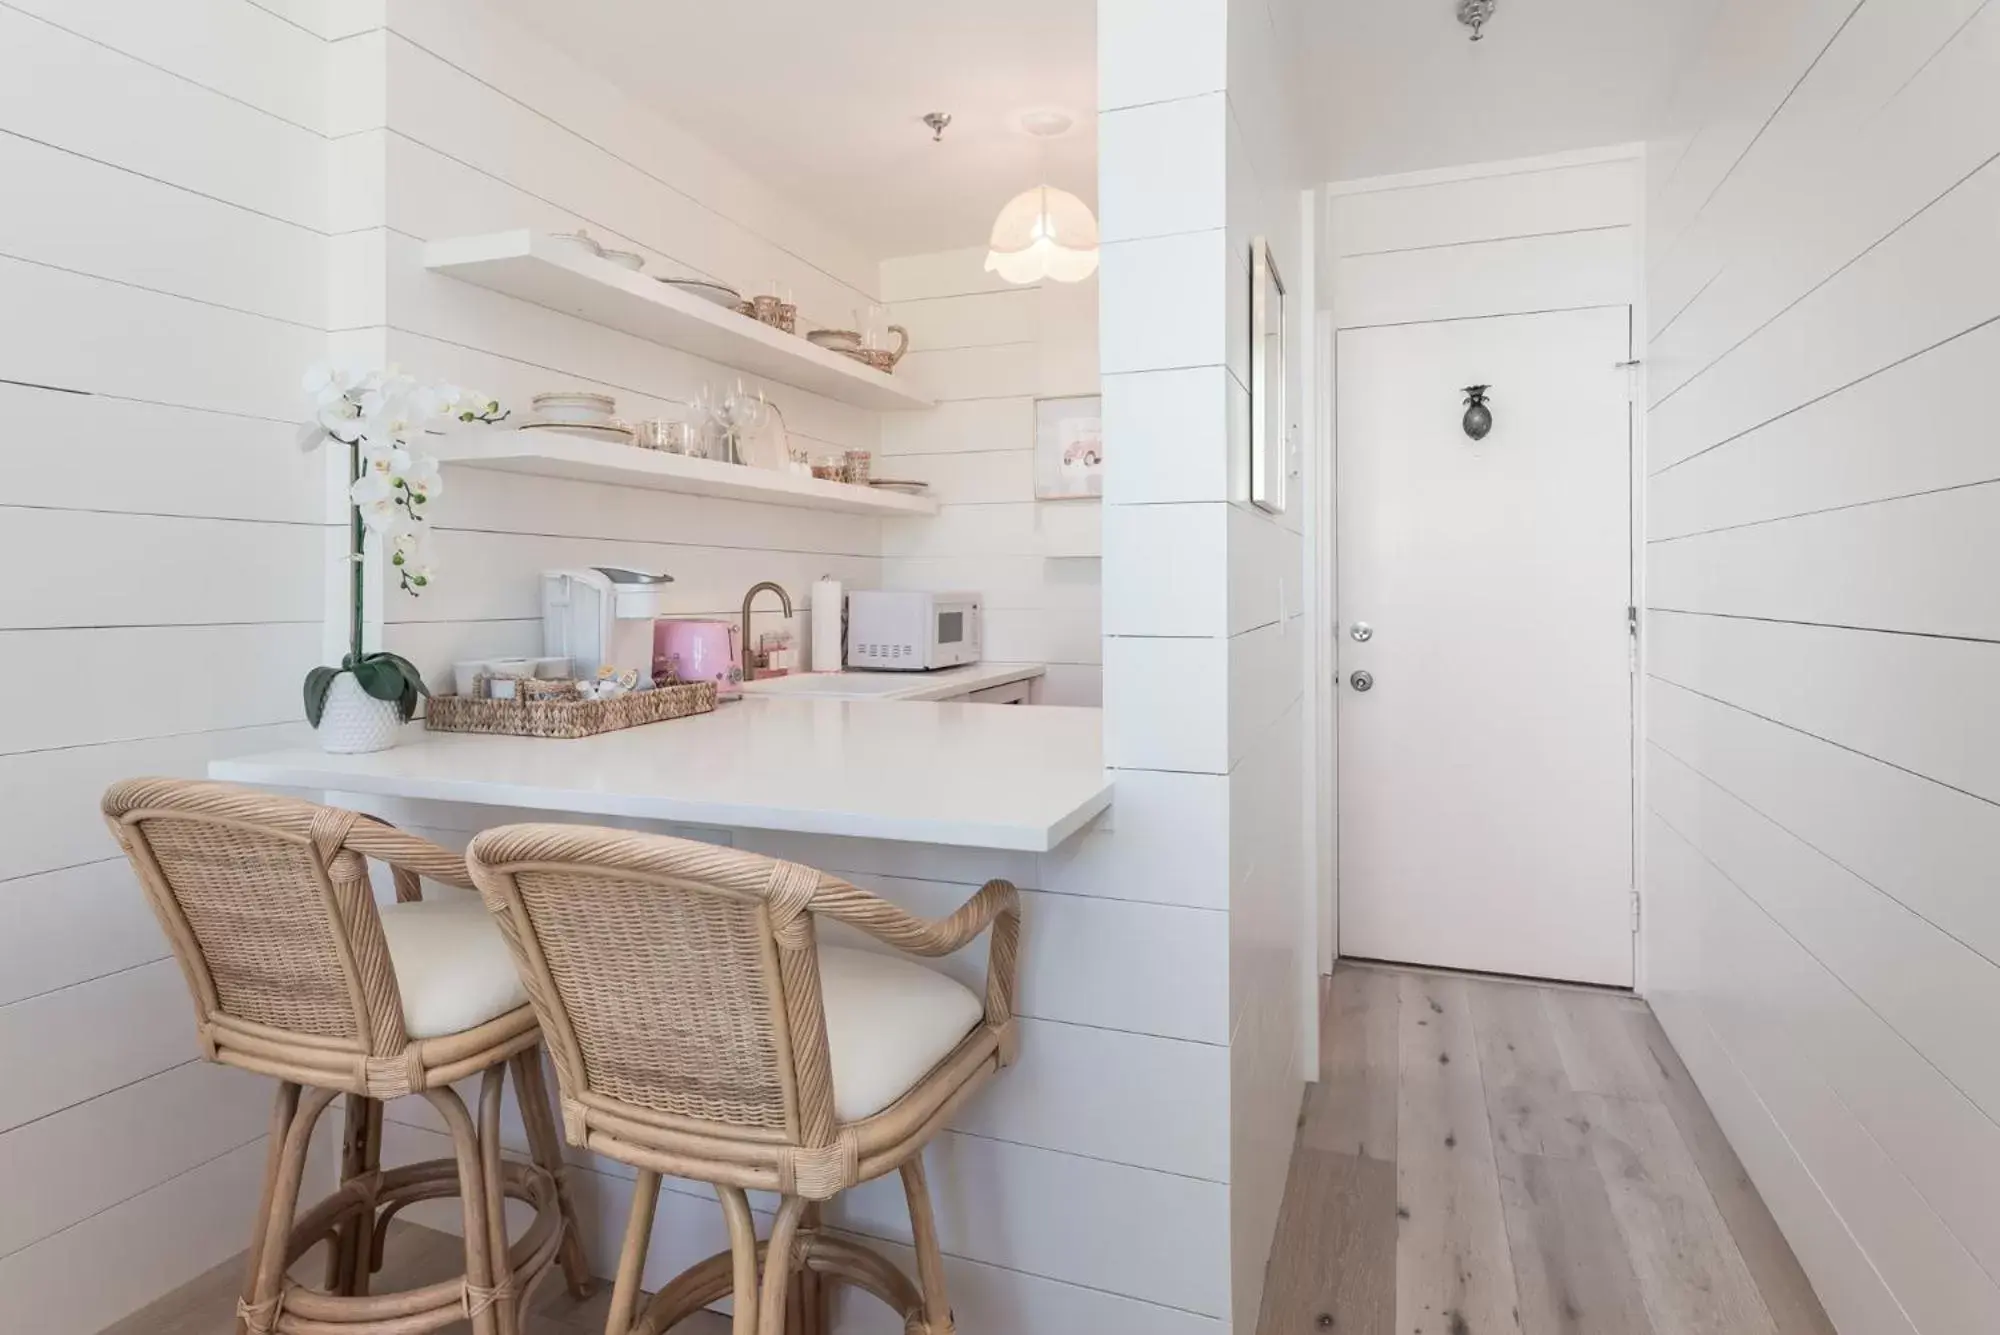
[699, 1030]
[297, 974]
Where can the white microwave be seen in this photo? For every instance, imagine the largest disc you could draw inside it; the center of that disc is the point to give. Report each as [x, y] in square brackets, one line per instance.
[912, 632]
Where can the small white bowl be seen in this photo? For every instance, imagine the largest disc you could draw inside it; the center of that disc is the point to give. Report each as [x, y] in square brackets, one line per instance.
[551, 669]
[582, 240]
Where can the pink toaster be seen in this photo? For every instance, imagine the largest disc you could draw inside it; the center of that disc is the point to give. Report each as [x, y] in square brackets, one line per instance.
[700, 651]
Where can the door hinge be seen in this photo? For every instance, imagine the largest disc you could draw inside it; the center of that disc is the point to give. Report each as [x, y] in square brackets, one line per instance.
[1635, 911]
[1632, 639]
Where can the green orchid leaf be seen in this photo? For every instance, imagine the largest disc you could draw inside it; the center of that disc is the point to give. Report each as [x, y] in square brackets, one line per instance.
[409, 671]
[318, 682]
[382, 680]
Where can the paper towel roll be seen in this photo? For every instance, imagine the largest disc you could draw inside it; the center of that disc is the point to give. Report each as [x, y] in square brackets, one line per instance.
[827, 604]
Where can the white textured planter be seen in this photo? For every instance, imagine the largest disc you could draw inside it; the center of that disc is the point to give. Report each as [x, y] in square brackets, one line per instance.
[355, 721]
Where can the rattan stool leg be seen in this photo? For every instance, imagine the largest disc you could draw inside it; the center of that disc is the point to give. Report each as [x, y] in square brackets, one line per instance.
[531, 1091]
[479, 1283]
[259, 1312]
[507, 1307]
[347, 1260]
[930, 1261]
[743, 1256]
[778, 1267]
[284, 1107]
[810, 1297]
[367, 1256]
[632, 1256]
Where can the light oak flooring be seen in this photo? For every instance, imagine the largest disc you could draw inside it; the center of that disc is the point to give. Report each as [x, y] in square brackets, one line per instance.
[1484, 1156]
[1479, 1157]
[414, 1256]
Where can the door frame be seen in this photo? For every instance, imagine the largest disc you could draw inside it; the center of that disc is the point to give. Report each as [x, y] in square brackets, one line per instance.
[1319, 469]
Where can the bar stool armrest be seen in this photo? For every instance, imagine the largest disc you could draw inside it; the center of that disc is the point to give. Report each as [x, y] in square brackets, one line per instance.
[996, 905]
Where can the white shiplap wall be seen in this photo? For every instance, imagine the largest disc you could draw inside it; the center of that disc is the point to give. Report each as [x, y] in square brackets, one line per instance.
[1058, 1215]
[1204, 708]
[986, 351]
[1824, 938]
[453, 122]
[163, 244]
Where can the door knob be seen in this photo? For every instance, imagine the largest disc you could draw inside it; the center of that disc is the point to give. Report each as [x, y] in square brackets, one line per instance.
[1362, 681]
[1362, 631]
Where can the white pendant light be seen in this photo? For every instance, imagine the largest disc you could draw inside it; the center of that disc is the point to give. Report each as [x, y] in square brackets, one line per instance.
[1043, 233]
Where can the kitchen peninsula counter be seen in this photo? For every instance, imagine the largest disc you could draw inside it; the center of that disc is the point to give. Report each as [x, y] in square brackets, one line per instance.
[965, 775]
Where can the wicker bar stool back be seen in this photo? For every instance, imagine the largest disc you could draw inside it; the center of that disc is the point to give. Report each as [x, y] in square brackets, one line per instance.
[295, 973]
[700, 1029]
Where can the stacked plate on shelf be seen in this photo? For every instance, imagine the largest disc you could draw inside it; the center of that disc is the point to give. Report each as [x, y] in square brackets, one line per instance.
[720, 293]
[579, 411]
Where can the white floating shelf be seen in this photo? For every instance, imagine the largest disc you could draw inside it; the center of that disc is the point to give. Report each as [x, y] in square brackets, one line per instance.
[581, 458]
[564, 277]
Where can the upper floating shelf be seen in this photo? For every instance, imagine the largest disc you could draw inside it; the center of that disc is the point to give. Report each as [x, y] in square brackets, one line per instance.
[582, 458]
[563, 277]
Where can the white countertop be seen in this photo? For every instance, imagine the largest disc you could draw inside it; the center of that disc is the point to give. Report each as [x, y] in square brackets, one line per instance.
[938, 685]
[975, 776]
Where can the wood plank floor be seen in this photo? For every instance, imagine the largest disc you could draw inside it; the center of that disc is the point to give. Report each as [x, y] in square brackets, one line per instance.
[1480, 1157]
[415, 1256]
[1484, 1157]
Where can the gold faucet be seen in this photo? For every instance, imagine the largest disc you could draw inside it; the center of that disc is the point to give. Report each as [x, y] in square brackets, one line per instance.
[749, 653]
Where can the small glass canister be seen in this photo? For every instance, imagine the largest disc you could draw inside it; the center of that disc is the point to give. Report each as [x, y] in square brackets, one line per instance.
[660, 434]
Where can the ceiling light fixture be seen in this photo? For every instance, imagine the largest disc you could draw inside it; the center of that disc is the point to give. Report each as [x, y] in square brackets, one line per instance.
[1476, 14]
[1044, 232]
[937, 120]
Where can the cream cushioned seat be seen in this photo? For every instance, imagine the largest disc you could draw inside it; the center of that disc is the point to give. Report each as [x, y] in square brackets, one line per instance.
[452, 965]
[888, 1022]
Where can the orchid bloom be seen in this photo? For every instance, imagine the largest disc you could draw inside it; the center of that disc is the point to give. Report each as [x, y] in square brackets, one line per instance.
[385, 416]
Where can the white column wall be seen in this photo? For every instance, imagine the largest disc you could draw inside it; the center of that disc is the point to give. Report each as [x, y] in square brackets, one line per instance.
[1204, 708]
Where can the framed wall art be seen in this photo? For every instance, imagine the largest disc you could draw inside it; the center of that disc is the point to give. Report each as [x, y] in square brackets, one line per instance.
[1069, 448]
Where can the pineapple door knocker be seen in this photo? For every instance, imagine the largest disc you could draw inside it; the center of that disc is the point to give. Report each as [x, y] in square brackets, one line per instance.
[1478, 417]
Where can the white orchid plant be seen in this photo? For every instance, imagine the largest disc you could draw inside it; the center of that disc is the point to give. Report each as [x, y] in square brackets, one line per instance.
[383, 416]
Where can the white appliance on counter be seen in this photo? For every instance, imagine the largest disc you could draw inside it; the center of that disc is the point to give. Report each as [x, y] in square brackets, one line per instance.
[912, 632]
[602, 617]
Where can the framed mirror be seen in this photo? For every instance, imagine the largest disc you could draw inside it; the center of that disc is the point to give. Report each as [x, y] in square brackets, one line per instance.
[1269, 446]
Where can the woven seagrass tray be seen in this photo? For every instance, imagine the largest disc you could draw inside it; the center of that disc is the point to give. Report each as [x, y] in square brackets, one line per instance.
[571, 718]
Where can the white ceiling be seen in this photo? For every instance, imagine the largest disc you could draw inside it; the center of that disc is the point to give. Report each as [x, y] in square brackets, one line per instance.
[1395, 85]
[823, 100]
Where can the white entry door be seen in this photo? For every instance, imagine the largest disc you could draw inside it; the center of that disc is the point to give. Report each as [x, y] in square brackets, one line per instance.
[1486, 768]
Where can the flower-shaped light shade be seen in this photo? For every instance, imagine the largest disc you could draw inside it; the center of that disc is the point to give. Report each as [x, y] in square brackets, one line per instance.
[1044, 233]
